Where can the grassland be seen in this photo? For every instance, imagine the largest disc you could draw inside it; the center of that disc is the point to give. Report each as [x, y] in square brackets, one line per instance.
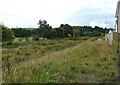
[60, 61]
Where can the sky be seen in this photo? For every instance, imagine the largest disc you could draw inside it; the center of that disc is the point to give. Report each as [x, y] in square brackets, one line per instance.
[27, 13]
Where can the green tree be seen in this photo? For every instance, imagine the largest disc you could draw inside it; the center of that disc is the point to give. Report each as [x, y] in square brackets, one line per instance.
[7, 34]
[0, 33]
[44, 29]
[76, 33]
[69, 36]
[21, 32]
[67, 29]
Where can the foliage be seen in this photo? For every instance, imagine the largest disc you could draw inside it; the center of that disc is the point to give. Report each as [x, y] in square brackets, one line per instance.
[67, 29]
[43, 29]
[7, 34]
[69, 36]
[115, 46]
[76, 33]
[0, 33]
[46, 31]
[21, 32]
[36, 38]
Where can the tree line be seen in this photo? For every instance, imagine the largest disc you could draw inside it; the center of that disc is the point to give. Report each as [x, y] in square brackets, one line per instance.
[44, 30]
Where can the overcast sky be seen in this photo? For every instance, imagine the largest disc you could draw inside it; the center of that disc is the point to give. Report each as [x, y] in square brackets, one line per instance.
[26, 13]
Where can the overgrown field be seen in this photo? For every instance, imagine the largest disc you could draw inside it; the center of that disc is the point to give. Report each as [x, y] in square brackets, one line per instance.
[60, 61]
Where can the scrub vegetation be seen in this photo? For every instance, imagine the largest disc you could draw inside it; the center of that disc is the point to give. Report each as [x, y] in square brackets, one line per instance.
[60, 61]
[67, 54]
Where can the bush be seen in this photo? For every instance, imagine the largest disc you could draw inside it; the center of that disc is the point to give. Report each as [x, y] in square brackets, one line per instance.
[36, 38]
[69, 36]
[20, 39]
[27, 39]
[115, 46]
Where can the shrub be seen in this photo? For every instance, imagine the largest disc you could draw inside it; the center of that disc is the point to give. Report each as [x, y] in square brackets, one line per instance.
[36, 38]
[20, 39]
[115, 46]
[27, 39]
[69, 36]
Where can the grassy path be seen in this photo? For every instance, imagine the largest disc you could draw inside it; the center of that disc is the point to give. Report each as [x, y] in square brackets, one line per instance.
[49, 56]
[53, 54]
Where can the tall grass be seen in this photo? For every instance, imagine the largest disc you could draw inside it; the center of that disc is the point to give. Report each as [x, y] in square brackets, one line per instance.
[61, 61]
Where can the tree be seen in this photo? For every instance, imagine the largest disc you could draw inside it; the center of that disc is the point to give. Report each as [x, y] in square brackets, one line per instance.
[0, 33]
[67, 29]
[76, 33]
[44, 29]
[69, 36]
[21, 32]
[7, 34]
[59, 33]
